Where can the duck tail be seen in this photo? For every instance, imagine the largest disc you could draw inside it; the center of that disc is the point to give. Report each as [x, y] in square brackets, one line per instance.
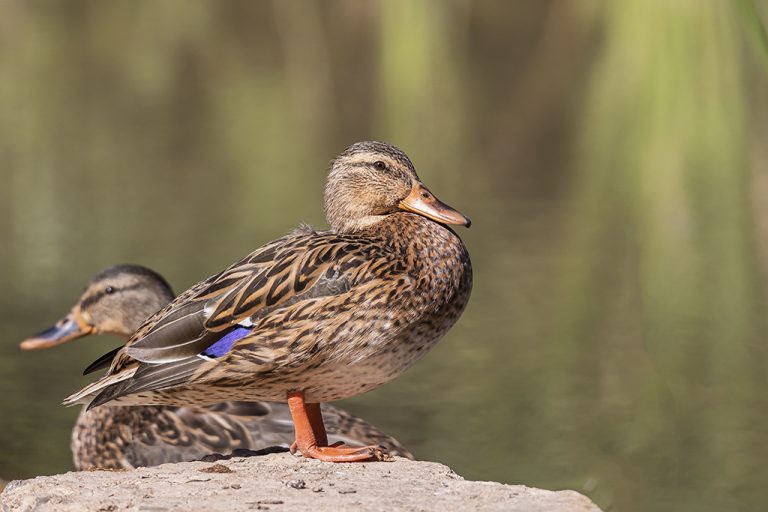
[89, 392]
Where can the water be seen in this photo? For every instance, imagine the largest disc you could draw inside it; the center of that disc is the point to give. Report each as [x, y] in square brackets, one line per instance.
[614, 340]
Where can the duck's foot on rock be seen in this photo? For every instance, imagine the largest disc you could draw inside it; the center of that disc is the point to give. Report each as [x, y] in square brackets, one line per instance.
[339, 452]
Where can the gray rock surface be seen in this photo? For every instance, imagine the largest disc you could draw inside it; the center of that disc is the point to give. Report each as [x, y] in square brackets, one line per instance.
[281, 482]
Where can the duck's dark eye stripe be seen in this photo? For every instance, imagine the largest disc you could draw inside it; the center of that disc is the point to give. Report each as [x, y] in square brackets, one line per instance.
[96, 297]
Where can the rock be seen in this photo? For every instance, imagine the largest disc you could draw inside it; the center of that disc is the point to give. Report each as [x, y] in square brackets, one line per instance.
[281, 482]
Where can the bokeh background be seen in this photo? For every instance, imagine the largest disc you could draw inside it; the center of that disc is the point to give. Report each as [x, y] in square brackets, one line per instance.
[611, 153]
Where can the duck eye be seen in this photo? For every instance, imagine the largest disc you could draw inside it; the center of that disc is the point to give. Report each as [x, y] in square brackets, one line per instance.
[109, 290]
[379, 165]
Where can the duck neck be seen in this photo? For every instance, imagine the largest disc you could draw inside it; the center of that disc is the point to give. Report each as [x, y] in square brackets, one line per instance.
[422, 241]
[358, 225]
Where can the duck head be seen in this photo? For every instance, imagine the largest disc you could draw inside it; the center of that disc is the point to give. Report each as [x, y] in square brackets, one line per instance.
[116, 301]
[371, 180]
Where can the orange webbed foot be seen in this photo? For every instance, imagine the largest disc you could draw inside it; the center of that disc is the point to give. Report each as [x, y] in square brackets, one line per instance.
[312, 441]
[341, 453]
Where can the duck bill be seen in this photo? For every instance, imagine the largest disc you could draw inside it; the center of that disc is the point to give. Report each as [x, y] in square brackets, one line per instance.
[69, 328]
[424, 202]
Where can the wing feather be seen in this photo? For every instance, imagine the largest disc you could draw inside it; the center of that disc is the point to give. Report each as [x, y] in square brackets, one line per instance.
[150, 377]
[178, 335]
[103, 362]
[300, 267]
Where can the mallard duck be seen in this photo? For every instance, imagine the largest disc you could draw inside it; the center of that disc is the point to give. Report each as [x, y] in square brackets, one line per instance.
[314, 316]
[117, 301]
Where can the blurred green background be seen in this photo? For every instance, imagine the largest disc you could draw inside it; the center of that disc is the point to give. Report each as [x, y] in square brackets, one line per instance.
[611, 153]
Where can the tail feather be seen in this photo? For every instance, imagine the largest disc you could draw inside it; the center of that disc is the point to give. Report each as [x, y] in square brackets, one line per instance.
[89, 392]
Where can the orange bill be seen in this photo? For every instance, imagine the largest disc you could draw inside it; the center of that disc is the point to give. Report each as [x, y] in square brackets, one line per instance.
[69, 328]
[423, 202]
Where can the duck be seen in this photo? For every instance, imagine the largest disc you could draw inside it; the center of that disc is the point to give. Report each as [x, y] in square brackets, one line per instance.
[116, 301]
[314, 316]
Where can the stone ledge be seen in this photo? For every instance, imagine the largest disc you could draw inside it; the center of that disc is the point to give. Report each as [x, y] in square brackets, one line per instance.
[281, 482]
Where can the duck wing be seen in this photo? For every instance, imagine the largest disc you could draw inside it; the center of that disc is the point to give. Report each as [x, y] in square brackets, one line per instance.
[278, 275]
[176, 342]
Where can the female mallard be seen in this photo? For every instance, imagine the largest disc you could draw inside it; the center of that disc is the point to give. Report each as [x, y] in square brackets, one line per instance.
[117, 301]
[313, 316]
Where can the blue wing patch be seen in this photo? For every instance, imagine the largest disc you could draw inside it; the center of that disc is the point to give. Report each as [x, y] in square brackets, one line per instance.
[224, 345]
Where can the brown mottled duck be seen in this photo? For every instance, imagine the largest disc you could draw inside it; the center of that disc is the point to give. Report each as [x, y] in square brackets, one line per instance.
[314, 316]
[117, 301]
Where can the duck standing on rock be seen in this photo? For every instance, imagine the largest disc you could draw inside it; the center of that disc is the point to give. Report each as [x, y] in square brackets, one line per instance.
[314, 316]
[117, 301]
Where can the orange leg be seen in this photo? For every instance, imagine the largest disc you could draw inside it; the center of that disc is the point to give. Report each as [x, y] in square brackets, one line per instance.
[318, 427]
[315, 416]
[311, 439]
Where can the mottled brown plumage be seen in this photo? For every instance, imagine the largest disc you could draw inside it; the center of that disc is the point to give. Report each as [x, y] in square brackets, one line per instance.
[326, 315]
[134, 436]
[117, 301]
